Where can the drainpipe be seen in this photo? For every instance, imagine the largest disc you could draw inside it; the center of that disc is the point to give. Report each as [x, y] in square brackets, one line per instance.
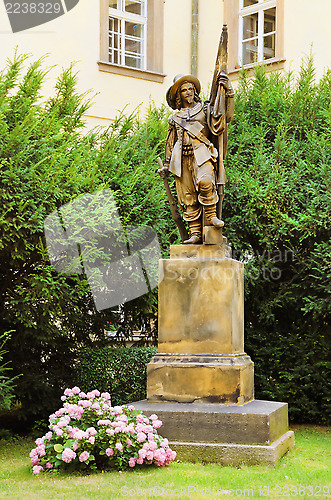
[194, 37]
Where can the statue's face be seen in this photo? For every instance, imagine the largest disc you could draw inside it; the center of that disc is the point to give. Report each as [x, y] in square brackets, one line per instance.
[187, 94]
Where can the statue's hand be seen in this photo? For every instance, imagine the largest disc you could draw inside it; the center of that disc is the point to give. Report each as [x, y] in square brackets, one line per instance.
[163, 171]
[223, 80]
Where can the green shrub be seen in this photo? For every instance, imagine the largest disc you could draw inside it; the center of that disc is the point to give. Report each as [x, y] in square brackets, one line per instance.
[277, 210]
[6, 383]
[277, 203]
[45, 162]
[119, 371]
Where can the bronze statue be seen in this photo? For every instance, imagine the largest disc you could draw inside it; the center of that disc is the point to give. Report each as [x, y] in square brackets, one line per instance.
[195, 147]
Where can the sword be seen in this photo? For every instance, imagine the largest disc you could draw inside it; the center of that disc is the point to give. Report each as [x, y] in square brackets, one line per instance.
[173, 205]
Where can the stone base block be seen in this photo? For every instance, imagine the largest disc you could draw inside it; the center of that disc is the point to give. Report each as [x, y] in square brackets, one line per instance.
[204, 378]
[221, 250]
[212, 235]
[253, 433]
[234, 454]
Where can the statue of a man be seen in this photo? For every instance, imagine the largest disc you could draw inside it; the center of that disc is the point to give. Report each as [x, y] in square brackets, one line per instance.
[191, 149]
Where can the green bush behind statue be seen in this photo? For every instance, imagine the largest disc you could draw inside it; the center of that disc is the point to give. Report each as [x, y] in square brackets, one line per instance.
[276, 213]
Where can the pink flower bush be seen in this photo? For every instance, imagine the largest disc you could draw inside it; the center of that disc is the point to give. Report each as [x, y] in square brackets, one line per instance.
[89, 433]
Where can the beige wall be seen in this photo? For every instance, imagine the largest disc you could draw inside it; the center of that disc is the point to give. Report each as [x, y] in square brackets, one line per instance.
[210, 28]
[75, 37]
[306, 24]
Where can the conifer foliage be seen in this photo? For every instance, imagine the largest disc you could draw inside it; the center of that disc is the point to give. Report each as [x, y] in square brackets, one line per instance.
[278, 212]
[48, 159]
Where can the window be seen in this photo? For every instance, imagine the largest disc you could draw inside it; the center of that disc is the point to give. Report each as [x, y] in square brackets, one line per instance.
[127, 33]
[257, 31]
[132, 38]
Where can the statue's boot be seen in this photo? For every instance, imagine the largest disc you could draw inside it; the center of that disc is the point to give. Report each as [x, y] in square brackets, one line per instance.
[195, 233]
[210, 213]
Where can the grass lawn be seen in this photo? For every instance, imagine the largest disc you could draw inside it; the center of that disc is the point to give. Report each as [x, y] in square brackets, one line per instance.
[304, 472]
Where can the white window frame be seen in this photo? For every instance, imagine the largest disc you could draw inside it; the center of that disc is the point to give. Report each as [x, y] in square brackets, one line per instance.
[124, 16]
[258, 8]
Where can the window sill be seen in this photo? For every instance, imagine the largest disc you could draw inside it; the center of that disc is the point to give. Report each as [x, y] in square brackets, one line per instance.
[132, 72]
[271, 64]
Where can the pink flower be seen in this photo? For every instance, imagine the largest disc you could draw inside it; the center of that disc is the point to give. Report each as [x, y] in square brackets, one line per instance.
[140, 419]
[140, 461]
[132, 462]
[95, 406]
[149, 455]
[142, 453]
[171, 455]
[75, 446]
[33, 453]
[118, 409]
[140, 427]
[36, 469]
[82, 395]
[153, 417]
[68, 392]
[41, 450]
[91, 431]
[90, 395]
[96, 393]
[106, 396]
[48, 435]
[84, 456]
[152, 446]
[39, 441]
[164, 443]
[92, 439]
[119, 446]
[63, 421]
[128, 443]
[109, 452]
[157, 424]
[85, 403]
[68, 455]
[111, 432]
[76, 390]
[58, 431]
[35, 460]
[49, 465]
[131, 408]
[130, 428]
[141, 436]
[78, 434]
[63, 398]
[160, 455]
[104, 422]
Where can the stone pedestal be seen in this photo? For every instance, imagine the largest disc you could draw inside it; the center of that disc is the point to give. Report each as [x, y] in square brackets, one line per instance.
[201, 354]
[201, 382]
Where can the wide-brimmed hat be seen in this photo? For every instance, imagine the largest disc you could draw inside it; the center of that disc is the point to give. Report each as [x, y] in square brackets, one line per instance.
[178, 81]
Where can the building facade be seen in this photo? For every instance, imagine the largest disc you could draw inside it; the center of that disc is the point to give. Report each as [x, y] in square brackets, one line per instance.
[128, 51]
